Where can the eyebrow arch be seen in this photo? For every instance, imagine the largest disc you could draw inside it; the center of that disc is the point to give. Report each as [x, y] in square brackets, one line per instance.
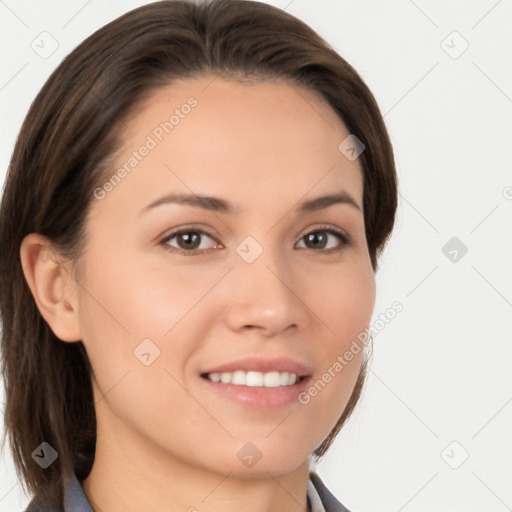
[325, 201]
[221, 205]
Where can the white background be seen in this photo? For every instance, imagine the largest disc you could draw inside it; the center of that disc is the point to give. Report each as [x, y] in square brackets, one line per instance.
[441, 369]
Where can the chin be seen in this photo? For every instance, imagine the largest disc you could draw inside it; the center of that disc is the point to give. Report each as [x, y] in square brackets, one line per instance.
[263, 456]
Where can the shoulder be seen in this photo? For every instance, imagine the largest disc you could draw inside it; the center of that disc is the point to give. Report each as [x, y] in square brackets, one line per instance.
[73, 496]
[38, 505]
[329, 501]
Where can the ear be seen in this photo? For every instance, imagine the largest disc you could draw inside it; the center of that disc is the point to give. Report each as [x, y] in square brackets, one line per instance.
[52, 285]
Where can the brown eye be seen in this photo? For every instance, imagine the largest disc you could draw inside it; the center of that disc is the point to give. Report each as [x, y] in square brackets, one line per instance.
[319, 239]
[188, 241]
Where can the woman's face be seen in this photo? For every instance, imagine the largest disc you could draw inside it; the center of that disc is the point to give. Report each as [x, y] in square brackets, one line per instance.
[257, 281]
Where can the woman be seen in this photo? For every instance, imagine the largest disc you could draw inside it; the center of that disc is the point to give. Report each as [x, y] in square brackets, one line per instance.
[191, 224]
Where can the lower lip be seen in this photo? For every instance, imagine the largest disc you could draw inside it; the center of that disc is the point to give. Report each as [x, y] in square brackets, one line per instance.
[259, 396]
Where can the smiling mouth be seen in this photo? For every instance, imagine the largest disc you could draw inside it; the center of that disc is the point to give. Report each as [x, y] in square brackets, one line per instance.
[255, 379]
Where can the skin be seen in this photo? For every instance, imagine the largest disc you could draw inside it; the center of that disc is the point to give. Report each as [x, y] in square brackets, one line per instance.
[164, 441]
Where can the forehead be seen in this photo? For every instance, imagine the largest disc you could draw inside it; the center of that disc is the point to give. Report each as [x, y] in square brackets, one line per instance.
[261, 141]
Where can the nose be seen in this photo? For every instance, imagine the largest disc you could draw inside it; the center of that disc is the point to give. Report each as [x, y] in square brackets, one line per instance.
[265, 296]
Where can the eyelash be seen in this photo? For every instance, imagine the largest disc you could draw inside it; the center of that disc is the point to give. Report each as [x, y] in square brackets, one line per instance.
[345, 240]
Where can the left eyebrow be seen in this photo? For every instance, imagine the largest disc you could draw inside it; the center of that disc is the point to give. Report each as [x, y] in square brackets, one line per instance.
[325, 201]
[221, 205]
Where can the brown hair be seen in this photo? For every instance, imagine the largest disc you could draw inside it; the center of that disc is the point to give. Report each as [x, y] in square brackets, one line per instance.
[72, 130]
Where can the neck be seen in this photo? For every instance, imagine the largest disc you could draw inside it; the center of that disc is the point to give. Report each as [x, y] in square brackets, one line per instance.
[143, 477]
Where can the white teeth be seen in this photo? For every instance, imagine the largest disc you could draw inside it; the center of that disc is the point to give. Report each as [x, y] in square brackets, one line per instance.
[255, 379]
[226, 377]
[238, 378]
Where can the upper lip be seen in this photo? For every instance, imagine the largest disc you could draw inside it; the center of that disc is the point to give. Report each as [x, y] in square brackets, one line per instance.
[263, 365]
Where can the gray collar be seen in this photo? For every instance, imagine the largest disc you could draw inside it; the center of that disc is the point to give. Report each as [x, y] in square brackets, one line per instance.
[314, 501]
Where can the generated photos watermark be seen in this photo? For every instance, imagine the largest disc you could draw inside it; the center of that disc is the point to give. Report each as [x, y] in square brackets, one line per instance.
[344, 359]
[156, 136]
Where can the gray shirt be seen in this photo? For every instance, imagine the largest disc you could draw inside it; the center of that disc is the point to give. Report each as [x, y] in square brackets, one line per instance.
[320, 499]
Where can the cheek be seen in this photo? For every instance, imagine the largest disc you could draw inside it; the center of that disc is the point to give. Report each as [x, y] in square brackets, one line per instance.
[125, 304]
[345, 308]
[115, 316]
[126, 313]
[128, 298]
[344, 300]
